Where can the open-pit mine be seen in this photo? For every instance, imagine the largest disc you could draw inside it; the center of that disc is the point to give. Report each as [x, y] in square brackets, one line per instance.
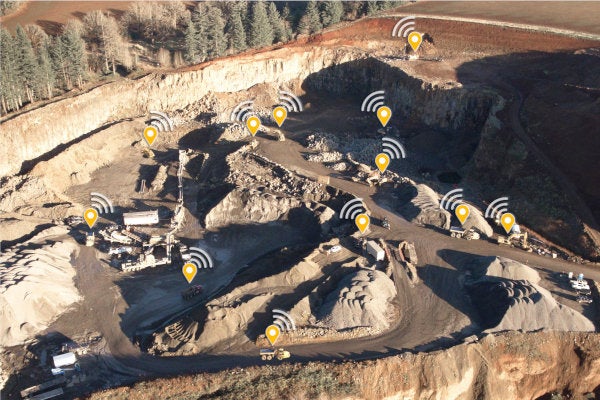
[432, 306]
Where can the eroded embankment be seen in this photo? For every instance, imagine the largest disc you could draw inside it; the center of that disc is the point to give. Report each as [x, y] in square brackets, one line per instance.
[511, 366]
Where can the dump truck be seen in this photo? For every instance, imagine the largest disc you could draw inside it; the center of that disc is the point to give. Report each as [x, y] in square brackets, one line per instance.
[458, 232]
[269, 354]
[192, 292]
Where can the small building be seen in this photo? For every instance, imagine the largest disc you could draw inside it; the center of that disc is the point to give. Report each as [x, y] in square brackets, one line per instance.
[63, 360]
[375, 250]
[140, 218]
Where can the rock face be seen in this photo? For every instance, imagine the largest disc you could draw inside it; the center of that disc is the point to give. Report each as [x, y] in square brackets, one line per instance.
[35, 133]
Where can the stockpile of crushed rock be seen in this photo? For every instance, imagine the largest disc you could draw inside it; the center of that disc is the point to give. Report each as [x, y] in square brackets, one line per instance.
[509, 297]
[36, 286]
[362, 299]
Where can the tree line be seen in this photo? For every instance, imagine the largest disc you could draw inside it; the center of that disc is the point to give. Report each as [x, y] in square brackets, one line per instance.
[35, 66]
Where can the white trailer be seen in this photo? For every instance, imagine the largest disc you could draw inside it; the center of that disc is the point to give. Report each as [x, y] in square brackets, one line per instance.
[374, 250]
[63, 360]
[140, 218]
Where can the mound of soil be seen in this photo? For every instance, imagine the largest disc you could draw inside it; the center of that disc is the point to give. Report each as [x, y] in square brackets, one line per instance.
[362, 299]
[508, 297]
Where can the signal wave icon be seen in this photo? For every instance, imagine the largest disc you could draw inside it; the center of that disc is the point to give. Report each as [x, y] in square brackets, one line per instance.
[101, 203]
[403, 27]
[242, 111]
[290, 101]
[497, 208]
[373, 101]
[200, 258]
[283, 320]
[452, 199]
[352, 209]
[161, 121]
[393, 148]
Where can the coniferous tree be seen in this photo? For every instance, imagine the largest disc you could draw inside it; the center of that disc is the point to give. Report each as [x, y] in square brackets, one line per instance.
[311, 20]
[9, 82]
[331, 12]
[278, 24]
[261, 31]
[191, 43]
[74, 51]
[235, 28]
[372, 7]
[215, 33]
[26, 63]
[200, 19]
[46, 80]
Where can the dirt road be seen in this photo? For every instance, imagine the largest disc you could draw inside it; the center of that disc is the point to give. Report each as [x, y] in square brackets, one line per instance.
[427, 322]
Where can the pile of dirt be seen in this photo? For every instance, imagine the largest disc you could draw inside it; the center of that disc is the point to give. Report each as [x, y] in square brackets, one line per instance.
[36, 285]
[509, 297]
[418, 203]
[362, 299]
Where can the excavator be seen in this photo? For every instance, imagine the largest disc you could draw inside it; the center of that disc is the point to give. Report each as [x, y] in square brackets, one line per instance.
[516, 240]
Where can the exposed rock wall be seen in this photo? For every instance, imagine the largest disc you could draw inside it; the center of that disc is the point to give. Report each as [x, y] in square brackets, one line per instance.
[37, 132]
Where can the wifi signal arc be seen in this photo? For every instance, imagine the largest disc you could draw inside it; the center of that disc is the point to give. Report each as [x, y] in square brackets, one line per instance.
[242, 111]
[200, 258]
[452, 199]
[283, 320]
[393, 148]
[373, 101]
[497, 207]
[404, 26]
[101, 203]
[290, 101]
[161, 121]
[351, 209]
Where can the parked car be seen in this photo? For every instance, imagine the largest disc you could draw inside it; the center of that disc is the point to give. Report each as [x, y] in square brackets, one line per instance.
[334, 249]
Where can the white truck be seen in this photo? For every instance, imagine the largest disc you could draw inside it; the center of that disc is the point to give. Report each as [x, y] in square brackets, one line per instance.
[375, 250]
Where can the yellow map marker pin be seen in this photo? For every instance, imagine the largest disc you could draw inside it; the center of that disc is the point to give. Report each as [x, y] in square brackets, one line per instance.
[415, 39]
[462, 213]
[382, 161]
[150, 134]
[384, 114]
[90, 215]
[189, 271]
[508, 221]
[253, 123]
[280, 114]
[272, 332]
[362, 222]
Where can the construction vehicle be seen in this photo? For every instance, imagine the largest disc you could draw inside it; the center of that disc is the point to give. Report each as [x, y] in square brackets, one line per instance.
[584, 300]
[516, 239]
[90, 239]
[120, 250]
[386, 223]
[192, 292]
[269, 354]
[147, 153]
[458, 232]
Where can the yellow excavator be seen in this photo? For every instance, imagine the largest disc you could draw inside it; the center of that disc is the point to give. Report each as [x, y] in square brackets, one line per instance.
[516, 240]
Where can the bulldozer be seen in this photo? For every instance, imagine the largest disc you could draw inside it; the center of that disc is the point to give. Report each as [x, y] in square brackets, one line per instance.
[516, 240]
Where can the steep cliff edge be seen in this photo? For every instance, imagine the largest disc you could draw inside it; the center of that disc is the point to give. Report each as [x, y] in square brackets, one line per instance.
[513, 366]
